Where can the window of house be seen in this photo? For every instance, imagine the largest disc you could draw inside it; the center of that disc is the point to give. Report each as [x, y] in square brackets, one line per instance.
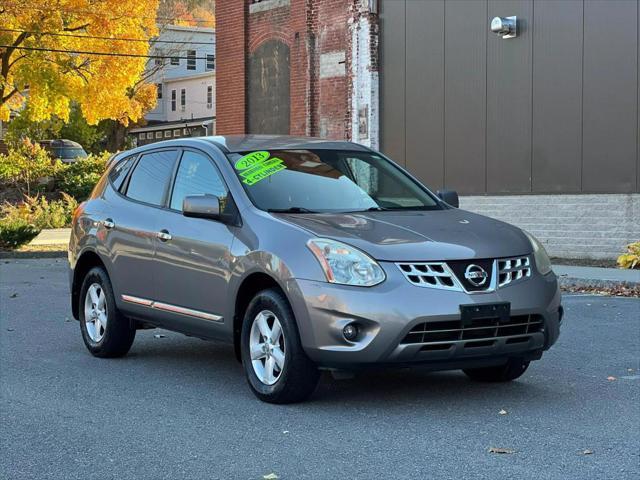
[167, 134]
[149, 135]
[158, 134]
[175, 60]
[158, 60]
[159, 90]
[191, 59]
[196, 176]
[183, 99]
[185, 131]
[150, 178]
[211, 62]
[173, 100]
[209, 96]
[141, 136]
[176, 132]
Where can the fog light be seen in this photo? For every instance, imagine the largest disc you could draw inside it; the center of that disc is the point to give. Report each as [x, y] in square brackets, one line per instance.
[350, 332]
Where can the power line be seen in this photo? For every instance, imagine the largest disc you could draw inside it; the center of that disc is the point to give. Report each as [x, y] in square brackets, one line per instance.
[55, 34]
[91, 12]
[103, 54]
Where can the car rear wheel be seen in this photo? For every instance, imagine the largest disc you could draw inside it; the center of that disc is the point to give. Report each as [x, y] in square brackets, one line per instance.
[105, 331]
[277, 368]
[511, 370]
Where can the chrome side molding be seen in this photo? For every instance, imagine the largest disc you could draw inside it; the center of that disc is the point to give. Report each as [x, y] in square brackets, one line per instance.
[167, 307]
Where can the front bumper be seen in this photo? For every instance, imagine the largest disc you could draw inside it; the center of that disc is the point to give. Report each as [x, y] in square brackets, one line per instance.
[387, 312]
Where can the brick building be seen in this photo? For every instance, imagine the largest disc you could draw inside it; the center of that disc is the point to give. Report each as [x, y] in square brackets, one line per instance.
[538, 127]
[306, 64]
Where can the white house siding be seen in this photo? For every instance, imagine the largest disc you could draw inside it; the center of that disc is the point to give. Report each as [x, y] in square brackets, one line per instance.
[196, 98]
[179, 76]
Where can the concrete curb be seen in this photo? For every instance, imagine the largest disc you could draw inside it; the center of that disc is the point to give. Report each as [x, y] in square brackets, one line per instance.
[596, 277]
[9, 255]
[572, 282]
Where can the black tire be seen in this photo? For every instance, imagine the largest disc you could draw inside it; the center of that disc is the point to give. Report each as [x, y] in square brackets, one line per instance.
[119, 333]
[299, 377]
[511, 370]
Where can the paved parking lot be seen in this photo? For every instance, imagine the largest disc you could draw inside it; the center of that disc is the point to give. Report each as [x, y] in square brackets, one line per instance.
[178, 407]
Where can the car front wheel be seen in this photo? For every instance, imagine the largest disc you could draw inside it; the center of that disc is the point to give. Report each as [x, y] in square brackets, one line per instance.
[277, 368]
[105, 331]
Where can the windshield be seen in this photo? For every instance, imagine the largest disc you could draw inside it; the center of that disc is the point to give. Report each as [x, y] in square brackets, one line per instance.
[303, 181]
[68, 152]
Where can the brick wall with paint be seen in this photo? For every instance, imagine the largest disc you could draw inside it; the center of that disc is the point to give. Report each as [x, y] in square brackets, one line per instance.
[322, 80]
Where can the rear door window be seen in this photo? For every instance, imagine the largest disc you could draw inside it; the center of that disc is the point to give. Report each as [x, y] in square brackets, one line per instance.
[151, 176]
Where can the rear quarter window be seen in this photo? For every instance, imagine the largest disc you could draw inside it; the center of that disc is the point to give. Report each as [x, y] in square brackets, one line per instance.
[119, 172]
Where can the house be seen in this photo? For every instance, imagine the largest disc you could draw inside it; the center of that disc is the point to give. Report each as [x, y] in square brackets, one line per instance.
[183, 69]
[528, 108]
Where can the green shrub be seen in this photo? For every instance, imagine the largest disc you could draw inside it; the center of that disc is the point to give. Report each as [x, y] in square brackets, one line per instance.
[50, 214]
[26, 166]
[79, 178]
[15, 232]
[630, 259]
[19, 223]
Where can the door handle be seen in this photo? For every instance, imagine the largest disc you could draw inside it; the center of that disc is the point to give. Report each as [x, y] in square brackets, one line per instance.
[108, 224]
[164, 235]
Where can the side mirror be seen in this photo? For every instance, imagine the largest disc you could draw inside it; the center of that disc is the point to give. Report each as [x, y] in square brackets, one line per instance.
[450, 197]
[202, 206]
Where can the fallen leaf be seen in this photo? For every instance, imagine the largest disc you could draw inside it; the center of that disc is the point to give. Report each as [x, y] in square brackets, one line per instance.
[502, 412]
[611, 378]
[501, 450]
[586, 452]
[159, 335]
[271, 476]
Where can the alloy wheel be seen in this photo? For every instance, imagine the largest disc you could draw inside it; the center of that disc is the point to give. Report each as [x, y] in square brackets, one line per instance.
[95, 312]
[267, 347]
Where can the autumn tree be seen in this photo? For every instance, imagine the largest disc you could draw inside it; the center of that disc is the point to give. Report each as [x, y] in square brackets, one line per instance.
[94, 53]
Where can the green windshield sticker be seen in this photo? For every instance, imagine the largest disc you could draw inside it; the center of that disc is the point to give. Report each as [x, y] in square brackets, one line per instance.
[251, 159]
[257, 166]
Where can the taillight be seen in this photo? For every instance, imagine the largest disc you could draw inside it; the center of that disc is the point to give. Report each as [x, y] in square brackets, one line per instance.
[77, 212]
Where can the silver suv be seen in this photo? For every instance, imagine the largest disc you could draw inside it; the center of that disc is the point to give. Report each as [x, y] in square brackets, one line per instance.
[306, 254]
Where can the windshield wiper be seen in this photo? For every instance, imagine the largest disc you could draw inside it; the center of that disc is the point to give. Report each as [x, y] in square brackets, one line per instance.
[291, 210]
[370, 209]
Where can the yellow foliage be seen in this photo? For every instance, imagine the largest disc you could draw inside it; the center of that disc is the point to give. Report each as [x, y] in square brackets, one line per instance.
[104, 85]
[630, 259]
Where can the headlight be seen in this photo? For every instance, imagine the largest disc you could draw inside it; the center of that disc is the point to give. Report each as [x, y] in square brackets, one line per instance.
[539, 254]
[345, 264]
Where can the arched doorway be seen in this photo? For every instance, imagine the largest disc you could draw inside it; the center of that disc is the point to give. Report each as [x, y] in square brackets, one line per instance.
[268, 101]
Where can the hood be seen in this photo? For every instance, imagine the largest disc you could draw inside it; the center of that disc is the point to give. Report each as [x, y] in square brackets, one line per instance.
[450, 234]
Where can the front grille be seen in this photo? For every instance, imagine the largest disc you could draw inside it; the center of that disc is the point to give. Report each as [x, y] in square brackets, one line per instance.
[512, 269]
[435, 274]
[451, 275]
[480, 333]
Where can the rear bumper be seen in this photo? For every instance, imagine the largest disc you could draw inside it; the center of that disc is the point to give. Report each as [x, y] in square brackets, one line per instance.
[387, 312]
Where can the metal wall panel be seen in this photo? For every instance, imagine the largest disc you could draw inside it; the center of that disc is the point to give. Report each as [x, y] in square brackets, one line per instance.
[610, 96]
[557, 96]
[556, 109]
[465, 95]
[392, 79]
[509, 101]
[424, 79]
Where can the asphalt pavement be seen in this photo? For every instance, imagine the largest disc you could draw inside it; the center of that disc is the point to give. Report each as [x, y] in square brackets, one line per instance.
[179, 407]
